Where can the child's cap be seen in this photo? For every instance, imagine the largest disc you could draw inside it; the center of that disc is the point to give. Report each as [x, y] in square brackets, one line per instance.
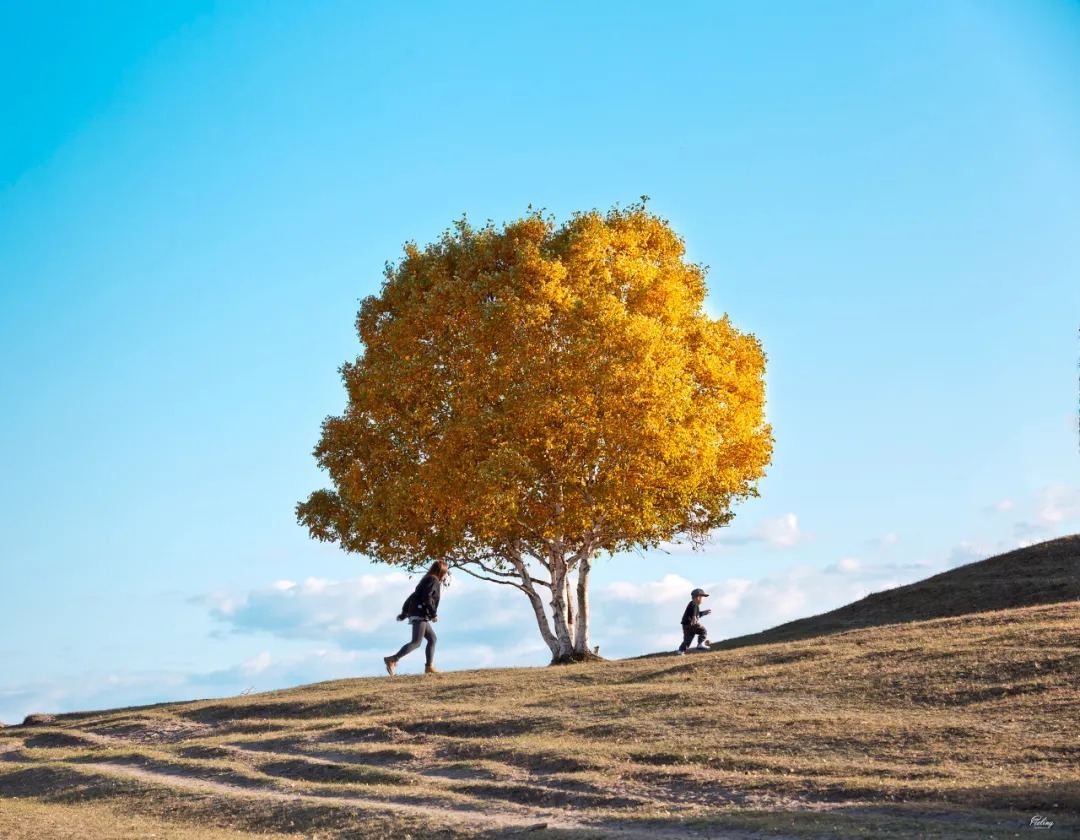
[700, 592]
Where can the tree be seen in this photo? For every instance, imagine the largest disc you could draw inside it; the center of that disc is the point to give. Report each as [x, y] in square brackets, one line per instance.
[529, 397]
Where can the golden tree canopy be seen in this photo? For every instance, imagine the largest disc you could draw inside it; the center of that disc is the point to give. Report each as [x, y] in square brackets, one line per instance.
[539, 383]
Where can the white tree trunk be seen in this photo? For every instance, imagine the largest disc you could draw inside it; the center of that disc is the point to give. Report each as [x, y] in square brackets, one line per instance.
[529, 588]
[567, 632]
[581, 629]
[559, 606]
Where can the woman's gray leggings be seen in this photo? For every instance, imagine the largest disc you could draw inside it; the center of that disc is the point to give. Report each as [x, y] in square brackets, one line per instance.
[420, 629]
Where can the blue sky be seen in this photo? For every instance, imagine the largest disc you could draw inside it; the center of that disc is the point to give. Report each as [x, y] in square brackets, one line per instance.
[195, 196]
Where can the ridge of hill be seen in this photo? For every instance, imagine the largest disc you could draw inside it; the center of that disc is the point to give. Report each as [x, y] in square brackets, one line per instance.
[1044, 573]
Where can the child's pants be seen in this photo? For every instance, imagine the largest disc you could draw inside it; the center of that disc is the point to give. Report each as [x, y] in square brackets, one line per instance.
[688, 633]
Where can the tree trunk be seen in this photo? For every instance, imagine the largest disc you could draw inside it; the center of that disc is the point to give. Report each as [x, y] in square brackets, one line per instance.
[569, 605]
[581, 631]
[529, 588]
[567, 632]
[559, 605]
[570, 609]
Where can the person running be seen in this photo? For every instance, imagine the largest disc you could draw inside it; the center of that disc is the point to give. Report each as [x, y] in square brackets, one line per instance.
[691, 626]
[421, 609]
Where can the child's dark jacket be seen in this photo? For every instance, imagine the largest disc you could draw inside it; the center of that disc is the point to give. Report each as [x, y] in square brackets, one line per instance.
[692, 614]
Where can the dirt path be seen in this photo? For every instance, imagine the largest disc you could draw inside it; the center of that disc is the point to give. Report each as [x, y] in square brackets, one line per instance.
[485, 820]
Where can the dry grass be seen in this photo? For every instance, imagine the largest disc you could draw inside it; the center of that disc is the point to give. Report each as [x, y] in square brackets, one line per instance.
[26, 819]
[956, 727]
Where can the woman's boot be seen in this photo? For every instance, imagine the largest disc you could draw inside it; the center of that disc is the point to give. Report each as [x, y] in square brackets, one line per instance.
[391, 664]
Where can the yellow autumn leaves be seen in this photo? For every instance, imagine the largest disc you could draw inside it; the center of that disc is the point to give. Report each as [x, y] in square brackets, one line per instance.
[541, 382]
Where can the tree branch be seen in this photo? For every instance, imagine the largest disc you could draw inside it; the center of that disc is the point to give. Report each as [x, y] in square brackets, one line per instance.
[528, 587]
[493, 580]
[496, 572]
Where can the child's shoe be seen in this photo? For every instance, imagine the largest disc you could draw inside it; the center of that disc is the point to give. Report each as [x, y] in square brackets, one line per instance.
[703, 645]
[680, 653]
[390, 663]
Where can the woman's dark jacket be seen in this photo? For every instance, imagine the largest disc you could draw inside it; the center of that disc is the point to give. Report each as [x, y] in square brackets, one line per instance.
[425, 600]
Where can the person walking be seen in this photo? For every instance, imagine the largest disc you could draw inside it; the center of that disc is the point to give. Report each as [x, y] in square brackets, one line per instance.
[691, 624]
[421, 609]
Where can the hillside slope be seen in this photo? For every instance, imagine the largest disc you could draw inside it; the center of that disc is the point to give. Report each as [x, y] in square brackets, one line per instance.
[1045, 573]
[952, 728]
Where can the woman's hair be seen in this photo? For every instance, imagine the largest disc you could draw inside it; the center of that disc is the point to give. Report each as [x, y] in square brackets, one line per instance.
[439, 570]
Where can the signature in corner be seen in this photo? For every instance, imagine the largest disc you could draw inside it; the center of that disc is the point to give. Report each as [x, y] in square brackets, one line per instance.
[1041, 822]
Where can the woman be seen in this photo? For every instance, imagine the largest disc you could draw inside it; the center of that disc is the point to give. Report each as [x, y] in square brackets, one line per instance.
[422, 610]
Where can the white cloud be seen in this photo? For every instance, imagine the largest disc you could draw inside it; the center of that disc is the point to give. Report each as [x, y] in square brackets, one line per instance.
[965, 553]
[845, 565]
[669, 589]
[314, 609]
[787, 601]
[257, 665]
[1002, 506]
[361, 612]
[780, 532]
[972, 552]
[728, 596]
[1052, 509]
[636, 617]
[1058, 503]
[1049, 513]
[89, 691]
[1032, 531]
[628, 615]
[889, 539]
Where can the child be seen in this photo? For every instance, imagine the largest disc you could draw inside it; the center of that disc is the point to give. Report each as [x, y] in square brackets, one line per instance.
[691, 626]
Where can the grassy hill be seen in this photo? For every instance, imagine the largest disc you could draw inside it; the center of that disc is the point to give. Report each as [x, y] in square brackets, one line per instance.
[956, 727]
[1046, 573]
